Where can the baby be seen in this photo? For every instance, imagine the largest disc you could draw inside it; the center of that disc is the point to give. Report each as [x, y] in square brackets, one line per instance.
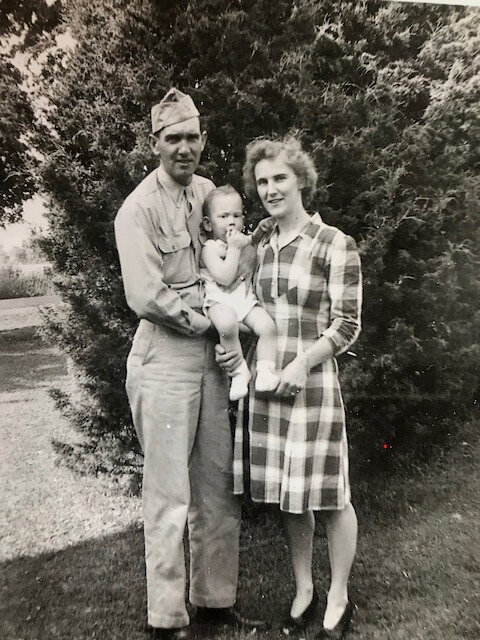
[228, 260]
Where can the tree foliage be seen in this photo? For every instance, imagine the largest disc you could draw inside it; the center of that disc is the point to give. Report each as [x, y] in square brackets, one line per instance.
[23, 26]
[28, 20]
[385, 96]
[17, 183]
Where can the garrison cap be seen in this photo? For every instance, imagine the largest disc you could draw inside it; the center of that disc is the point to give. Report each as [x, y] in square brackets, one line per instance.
[174, 107]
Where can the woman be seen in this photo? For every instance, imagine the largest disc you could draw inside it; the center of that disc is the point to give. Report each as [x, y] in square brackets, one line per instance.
[308, 278]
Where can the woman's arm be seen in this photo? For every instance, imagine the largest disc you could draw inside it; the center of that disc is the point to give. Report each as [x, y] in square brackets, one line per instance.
[222, 270]
[294, 376]
[345, 293]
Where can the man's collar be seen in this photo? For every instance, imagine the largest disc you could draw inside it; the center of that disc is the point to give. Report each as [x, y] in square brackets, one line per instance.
[174, 189]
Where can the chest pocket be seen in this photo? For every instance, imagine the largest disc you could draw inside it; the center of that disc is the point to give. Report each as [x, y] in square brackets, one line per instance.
[177, 262]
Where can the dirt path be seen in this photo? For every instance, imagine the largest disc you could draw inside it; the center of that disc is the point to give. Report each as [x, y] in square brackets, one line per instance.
[44, 507]
[23, 303]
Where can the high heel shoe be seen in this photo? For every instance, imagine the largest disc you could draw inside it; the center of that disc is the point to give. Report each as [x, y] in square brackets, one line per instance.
[340, 630]
[293, 625]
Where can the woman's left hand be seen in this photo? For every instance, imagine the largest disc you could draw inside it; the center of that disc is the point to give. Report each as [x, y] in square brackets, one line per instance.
[293, 378]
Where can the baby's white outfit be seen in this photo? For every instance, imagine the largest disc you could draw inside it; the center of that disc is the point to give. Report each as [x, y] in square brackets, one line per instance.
[239, 294]
[240, 297]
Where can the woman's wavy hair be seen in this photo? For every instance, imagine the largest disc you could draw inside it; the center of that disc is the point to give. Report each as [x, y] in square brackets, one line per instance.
[298, 160]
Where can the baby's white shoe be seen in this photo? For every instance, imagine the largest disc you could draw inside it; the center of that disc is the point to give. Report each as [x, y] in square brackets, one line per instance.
[240, 379]
[267, 379]
[238, 388]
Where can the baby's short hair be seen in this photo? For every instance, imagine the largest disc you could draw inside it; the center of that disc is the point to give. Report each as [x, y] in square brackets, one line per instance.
[224, 190]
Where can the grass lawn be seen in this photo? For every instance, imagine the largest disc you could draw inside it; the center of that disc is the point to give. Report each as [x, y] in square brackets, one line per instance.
[73, 550]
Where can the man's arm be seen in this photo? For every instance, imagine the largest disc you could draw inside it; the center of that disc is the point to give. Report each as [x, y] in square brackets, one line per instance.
[142, 272]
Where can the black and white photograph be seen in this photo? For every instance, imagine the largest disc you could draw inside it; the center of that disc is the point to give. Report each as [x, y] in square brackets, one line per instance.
[239, 320]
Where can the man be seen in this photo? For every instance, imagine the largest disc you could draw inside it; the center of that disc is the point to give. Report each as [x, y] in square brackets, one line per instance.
[177, 393]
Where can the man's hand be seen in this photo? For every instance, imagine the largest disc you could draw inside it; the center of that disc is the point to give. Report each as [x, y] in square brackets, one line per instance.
[237, 239]
[263, 227]
[228, 360]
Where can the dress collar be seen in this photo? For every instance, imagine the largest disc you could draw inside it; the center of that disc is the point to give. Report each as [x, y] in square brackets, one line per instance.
[310, 230]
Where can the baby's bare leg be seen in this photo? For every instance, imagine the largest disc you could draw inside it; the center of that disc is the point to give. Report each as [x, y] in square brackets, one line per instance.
[225, 321]
[263, 325]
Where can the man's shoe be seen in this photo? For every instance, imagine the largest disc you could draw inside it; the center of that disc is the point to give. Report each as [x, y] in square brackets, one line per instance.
[227, 617]
[171, 633]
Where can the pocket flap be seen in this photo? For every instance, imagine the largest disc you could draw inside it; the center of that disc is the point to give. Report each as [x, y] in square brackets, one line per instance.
[168, 244]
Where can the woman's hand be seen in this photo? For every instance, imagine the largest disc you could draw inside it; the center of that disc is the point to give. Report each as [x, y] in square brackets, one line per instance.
[228, 360]
[263, 227]
[293, 378]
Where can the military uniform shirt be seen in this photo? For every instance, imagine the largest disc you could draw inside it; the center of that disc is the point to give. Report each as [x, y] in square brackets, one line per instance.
[157, 231]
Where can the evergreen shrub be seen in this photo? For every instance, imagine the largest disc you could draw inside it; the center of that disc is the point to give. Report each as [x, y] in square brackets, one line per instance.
[384, 95]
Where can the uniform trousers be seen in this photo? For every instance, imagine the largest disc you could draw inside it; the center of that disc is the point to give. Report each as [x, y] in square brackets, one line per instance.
[179, 402]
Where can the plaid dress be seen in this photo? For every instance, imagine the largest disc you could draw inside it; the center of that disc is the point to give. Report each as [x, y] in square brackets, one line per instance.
[297, 447]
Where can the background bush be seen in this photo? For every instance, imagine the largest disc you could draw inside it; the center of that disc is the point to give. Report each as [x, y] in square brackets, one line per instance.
[15, 283]
[385, 96]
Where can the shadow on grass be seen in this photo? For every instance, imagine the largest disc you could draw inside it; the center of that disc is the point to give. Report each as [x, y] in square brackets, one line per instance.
[96, 589]
[412, 580]
[91, 590]
[27, 362]
[416, 574]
